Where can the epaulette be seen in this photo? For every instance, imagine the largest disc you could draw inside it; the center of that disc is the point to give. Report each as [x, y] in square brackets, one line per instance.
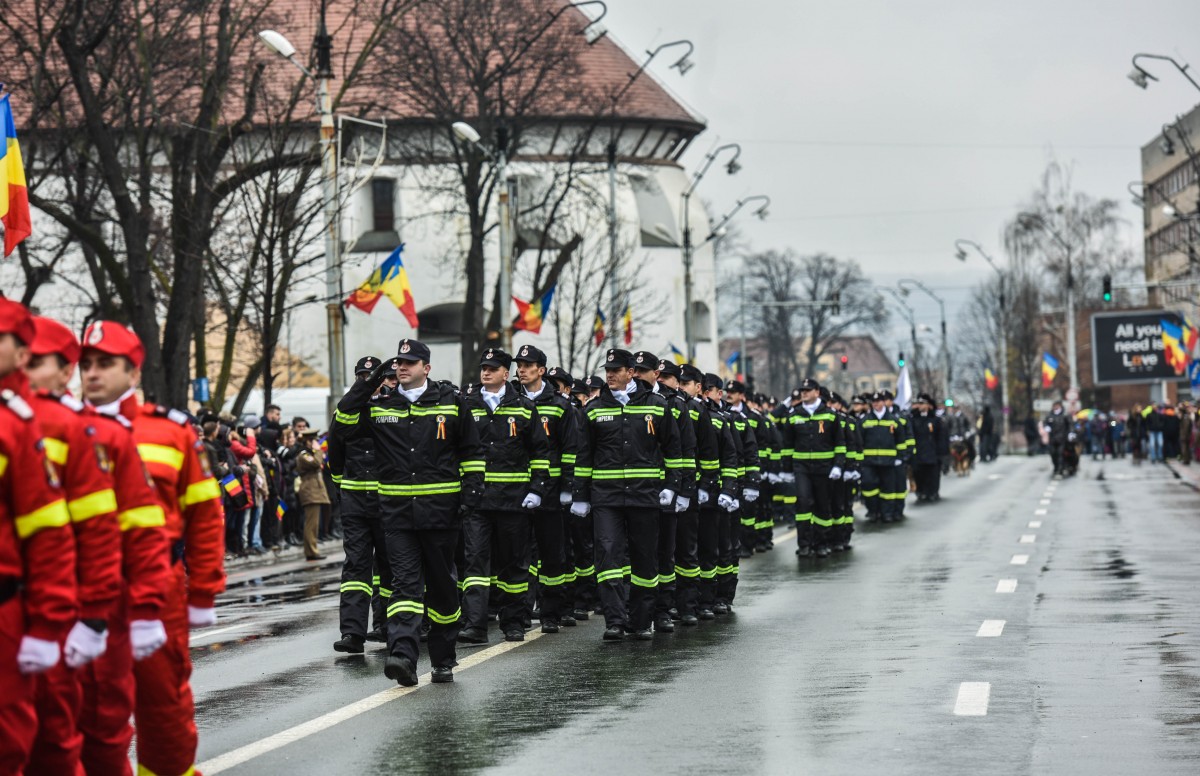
[70, 402]
[19, 406]
[118, 417]
[179, 417]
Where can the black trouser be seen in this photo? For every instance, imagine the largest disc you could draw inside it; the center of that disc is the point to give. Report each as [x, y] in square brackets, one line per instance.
[424, 584]
[380, 598]
[363, 541]
[668, 524]
[495, 554]
[554, 573]
[582, 531]
[1056, 456]
[845, 513]
[627, 532]
[707, 551]
[764, 529]
[929, 479]
[813, 507]
[687, 561]
[727, 555]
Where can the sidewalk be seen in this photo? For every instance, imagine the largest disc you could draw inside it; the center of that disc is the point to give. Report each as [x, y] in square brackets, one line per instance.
[286, 554]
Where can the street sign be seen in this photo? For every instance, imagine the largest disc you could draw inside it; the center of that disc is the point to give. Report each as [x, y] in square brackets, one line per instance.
[1194, 378]
[1043, 405]
[1127, 347]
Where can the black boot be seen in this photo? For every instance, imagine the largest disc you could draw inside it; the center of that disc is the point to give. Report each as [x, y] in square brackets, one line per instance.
[401, 670]
[349, 643]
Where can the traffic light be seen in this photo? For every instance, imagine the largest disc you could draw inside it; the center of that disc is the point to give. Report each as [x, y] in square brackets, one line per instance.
[900, 361]
[1108, 288]
[845, 362]
[837, 302]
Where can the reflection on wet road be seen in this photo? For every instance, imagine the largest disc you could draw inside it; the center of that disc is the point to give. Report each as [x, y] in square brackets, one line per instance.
[925, 650]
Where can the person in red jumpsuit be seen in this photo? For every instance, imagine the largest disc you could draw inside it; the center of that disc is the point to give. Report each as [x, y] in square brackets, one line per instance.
[86, 474]
[38, 603]
[110, 367]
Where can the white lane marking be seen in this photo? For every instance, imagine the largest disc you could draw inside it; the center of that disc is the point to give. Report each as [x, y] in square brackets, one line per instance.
[1039, 511]
[1019, 560]
[1006, 586]
[1028, 538]
[203, 633]
[990, 629]
[1035, 523]
[224, 762]
[1044, 502]
[995, 476]
[783, 537]
[972, 699]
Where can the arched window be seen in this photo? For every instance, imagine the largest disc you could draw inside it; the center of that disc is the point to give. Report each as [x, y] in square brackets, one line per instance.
[702, 325]
[441, 323]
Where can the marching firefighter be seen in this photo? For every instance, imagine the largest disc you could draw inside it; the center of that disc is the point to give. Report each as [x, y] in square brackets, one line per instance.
[764, 529]
[899, 492]
[627, 471]
[814, 435]
[754, 435]
[884, 453]
[843, 509]
[352, 463]
[38, 606]
[932, 445]
[429, 466]
[580, 530]
[717, 549]
[688, 568]
[748, 476]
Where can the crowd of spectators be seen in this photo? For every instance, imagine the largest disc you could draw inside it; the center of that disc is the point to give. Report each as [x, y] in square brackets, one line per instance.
[1154, 432]
[256, 460]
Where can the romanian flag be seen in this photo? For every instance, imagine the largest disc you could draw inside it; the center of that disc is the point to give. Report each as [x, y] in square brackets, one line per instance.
[280, 510]
[232, 485]
[628, 318]
[391, 280]
[731, 364]
[598, 333]
[990, 379]
[677, 354]
[14, 196]
[1172, 339]
[1190, 336]
[531, 315]
[1049, 369]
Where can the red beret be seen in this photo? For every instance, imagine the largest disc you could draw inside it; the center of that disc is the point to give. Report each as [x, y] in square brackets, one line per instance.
[15, 319]
[116, 340]
[54, 338]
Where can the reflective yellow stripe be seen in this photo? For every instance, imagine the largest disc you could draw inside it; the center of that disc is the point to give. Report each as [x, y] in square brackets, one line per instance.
[3, 464]
[87, 507]
[142, 517]
[144, 771]
[53, 515]
[167, 456]
[204, 490]
[56, 450]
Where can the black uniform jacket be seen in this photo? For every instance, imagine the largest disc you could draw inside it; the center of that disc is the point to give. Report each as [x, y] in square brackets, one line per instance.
[516, 449]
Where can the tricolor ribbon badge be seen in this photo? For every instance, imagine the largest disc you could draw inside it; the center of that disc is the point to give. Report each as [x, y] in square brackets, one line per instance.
[512, 427]
[546, 425]
[649, 424]
[441, 429]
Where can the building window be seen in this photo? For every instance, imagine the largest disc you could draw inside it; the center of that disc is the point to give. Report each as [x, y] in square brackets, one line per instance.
[655, 217]
[702, 323]
[441, 323]
[383, 205]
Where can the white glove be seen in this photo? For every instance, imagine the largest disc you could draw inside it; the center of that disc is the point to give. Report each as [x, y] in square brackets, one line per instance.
[773, 478]
[899, 462]
[682, 503]
[852, 476]
[665, 497]
[532, 501]
[726, 502]
[580, 508]
[735, 505]
[751, 494]
[201, 617]
[564, 498]
[835, 473]
[37, 655]
[84, 645]
[146, 636]
[787, 477]
[702, 496]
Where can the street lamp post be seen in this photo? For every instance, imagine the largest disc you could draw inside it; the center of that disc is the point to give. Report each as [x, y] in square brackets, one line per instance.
[323, 44]
[910, 316]
[1035, 220]
[1141, 77]
[732, 166]
[904, 284]
[717, 232]
[1005, 411]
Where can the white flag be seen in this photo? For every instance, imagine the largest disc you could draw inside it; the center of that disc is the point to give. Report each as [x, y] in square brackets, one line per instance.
[903, 389]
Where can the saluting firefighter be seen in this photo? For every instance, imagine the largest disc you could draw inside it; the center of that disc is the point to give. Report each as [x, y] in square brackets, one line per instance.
[495, 539]
[429, 465]
[819, 453]
[688, 569]
[38, 606]
[884, 453]
[352, 464]
[627, 471]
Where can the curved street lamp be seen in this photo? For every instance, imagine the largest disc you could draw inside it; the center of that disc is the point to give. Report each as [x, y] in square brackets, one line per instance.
[732, 167]
[1142, 77]
[1005, 411]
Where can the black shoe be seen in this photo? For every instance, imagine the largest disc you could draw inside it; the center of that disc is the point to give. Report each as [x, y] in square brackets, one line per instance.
[473, 636]
[536, 614]
[580, 614]
[349, 643]
[720, 608]
[401, 670]
[803, 552]
[442, 675]
[745, 552]
[674, 613]
[847, 546]
[643, 635]
[689, 620]
[822, 551]
[664, 625]
[514, 634]
[377, 636]
[567, 621]
[707, 614]
[527, 623]
[549, 626]
[614, 633]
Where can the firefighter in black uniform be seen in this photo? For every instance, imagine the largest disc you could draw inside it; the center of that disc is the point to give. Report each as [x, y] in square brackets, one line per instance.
[555, 421]
[708, 478]
[899, 492]
[429, 466]
[727, 524]
[768, 456]
[844, 492]
[884, 453]
[818, 454]
[754, 434]
[932, 444]
[495, 538]
[352, 462]
[627, 471]
[581, 530]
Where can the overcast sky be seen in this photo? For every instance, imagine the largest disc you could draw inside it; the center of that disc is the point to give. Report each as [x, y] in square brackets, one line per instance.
[885, 130]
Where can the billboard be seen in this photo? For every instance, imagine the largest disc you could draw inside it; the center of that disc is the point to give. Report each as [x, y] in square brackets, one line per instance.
[1128, 347]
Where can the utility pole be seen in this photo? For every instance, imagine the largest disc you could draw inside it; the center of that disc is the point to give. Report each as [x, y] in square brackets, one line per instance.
[506, 242]
[329, 190]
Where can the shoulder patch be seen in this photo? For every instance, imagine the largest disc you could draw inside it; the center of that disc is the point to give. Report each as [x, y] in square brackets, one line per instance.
[71, 403]
[18, 405]
[179, 417]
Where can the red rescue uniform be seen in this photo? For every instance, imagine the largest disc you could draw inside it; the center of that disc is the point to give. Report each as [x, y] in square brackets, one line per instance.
[176, 460]
[37, 564]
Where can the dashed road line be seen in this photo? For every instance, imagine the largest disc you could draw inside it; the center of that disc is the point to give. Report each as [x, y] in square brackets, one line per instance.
[1035, 523]
[1028, 538]
[990, 629]
[1044, 502]
[1019, 560]
[1006, 586]
[1039, 511]
[972, 700]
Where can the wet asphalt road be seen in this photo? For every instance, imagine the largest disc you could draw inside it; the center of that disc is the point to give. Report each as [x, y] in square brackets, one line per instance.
[865, 663]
